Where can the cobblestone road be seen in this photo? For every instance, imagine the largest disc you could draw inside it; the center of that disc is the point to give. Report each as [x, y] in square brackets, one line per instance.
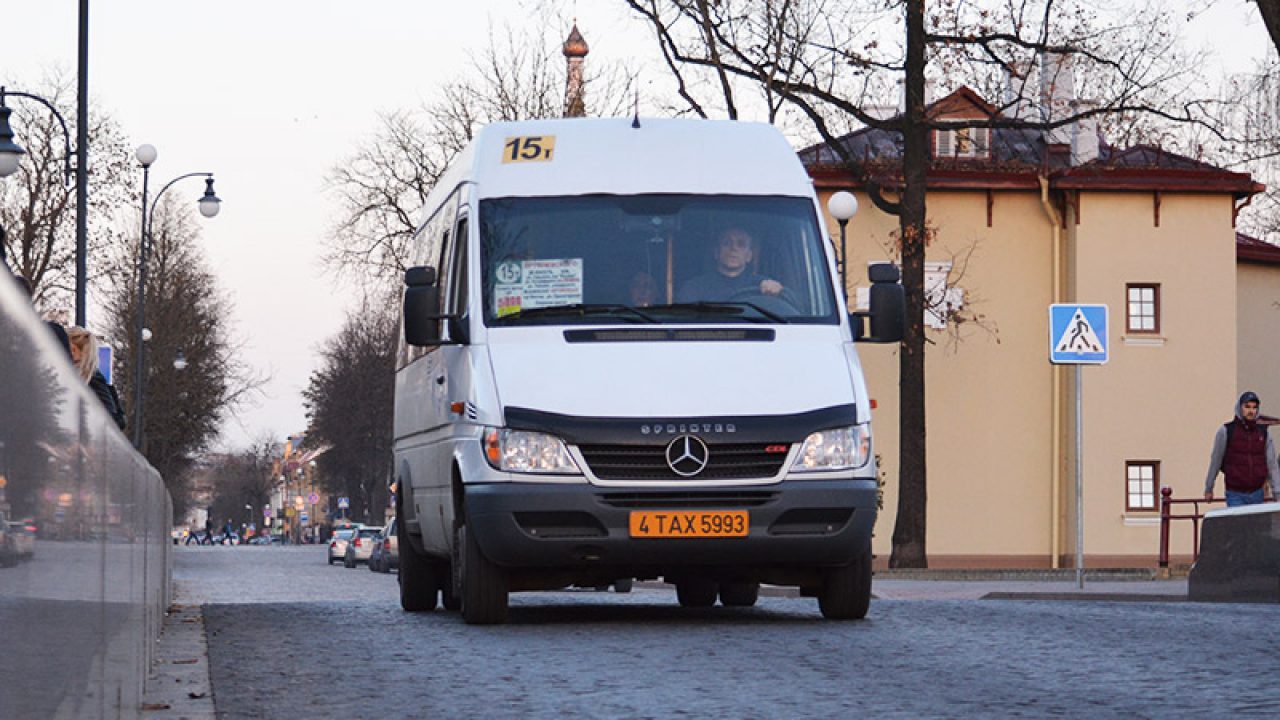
[292, 637]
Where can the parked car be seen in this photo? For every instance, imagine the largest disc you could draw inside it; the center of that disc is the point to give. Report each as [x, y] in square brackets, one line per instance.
[8, 544]
[338, 543]
[24, 538]
[360, 547]
[386, 550]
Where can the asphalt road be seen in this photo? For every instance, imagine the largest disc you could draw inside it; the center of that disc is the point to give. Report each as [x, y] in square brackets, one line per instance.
[290, 636]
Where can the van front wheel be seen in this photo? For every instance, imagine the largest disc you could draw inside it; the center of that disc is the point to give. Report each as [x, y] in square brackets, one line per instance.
[484, 584]
[846, 591]
[419, 584]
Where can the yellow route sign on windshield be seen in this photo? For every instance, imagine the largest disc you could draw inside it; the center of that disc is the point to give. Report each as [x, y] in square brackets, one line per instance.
[528, 148]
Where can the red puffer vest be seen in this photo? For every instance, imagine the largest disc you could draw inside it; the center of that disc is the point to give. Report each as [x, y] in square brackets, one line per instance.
[1244, 464]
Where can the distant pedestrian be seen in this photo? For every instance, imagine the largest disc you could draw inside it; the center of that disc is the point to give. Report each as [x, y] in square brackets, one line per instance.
[84, 353]
[1245, 454]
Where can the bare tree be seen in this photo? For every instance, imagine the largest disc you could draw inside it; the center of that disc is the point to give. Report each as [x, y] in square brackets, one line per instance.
[243, 478]
[834, 62]
[350, 403]
[185, 312]
[519, 75]
[37, 205]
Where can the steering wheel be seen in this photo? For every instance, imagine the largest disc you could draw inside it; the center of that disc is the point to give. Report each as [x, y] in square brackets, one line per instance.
[782, 304]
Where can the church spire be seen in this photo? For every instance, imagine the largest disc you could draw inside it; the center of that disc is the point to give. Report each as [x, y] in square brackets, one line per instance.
[575, 49]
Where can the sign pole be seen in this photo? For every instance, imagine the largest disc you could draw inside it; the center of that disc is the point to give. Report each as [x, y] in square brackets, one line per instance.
[1079, 479]
[1078, 336]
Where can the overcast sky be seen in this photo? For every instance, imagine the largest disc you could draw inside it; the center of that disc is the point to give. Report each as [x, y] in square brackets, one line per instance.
[271, 94]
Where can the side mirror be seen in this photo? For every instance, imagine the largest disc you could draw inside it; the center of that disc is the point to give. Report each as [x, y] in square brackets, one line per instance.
[421, 307]
[888, 306]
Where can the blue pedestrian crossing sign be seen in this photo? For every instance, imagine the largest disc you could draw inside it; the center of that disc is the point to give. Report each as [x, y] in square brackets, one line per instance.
[1077, 334]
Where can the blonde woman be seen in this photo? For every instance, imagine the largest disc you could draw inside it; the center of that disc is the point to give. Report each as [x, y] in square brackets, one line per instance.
[84, 355]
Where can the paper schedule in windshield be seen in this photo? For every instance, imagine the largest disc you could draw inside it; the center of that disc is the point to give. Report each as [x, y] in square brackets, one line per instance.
[527, 284]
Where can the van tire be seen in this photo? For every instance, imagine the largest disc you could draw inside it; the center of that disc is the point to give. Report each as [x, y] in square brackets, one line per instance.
[739, 594]
[623, 585]
[696, 593]
[846, 591]
[419, 583]
[484, 584]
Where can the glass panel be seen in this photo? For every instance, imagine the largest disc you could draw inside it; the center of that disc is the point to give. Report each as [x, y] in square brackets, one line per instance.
[606, 259]
[83, 604]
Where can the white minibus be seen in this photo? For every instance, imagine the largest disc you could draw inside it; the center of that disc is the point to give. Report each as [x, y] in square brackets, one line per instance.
[625, 357]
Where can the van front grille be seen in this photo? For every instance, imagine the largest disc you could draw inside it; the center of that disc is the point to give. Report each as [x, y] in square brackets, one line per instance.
[649, 462]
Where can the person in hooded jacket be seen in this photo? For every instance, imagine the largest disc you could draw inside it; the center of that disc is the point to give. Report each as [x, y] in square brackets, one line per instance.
[1245, 454]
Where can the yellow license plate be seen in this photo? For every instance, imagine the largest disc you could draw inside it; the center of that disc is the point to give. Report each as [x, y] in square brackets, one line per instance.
[686, 524]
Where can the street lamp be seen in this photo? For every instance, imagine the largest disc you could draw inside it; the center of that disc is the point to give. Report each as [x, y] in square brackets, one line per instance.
[11, 152]
[11, 156]
[209, 205]
[180, 361]
[842, 206]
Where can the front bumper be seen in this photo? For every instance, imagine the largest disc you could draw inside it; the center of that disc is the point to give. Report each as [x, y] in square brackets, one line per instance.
[795, 523]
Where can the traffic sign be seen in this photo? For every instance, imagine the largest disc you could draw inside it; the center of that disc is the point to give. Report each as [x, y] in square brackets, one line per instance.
[1078, 334]
[304, 516]
[344, 503]
[313, 498]
[266, 511]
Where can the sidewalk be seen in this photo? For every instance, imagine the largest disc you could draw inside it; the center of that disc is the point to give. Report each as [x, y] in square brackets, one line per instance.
[1122, 585]
[178, 687]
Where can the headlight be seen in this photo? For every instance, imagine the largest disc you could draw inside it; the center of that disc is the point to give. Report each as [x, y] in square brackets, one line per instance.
[840, 449]
[527, 452]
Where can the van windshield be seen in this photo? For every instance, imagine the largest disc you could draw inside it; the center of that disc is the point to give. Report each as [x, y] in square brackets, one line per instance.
[637, 259]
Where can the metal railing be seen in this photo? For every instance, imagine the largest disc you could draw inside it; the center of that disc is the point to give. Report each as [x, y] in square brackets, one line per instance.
[1166, 514]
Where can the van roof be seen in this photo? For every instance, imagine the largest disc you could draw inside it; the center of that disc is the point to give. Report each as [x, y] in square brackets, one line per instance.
[610, 156]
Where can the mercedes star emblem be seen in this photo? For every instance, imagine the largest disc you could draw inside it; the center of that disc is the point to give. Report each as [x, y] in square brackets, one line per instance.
[687, 455]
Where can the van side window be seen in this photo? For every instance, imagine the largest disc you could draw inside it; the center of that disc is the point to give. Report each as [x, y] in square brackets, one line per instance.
[456, 301]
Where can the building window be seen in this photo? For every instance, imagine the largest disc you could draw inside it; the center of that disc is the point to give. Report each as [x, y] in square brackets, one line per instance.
[1144, 308]
[962, 142]
[1142, 484]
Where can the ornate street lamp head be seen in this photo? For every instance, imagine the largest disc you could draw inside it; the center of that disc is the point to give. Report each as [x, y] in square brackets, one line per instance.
[10, 152]
[209, 202]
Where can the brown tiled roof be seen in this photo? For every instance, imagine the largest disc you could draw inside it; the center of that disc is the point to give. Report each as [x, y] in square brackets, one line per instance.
[1252, 250]
[1018, 156]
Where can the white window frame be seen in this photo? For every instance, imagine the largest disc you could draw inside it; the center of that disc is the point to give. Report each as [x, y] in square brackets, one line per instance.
[1141, 485]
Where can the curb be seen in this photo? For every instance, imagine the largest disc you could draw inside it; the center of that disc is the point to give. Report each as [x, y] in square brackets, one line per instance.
[178, 687]
[1099, 596]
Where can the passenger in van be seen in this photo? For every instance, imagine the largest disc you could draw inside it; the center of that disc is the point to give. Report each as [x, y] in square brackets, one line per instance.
[735, 250]
[644, 290]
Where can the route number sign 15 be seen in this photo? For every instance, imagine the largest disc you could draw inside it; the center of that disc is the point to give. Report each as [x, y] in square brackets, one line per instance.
[529, 148]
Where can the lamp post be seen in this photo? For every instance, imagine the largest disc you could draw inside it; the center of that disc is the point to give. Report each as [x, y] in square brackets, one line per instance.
[11, 152]
[209, 205]
[842, 206]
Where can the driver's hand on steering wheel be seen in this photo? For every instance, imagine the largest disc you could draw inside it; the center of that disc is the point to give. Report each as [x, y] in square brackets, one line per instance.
[770, 287]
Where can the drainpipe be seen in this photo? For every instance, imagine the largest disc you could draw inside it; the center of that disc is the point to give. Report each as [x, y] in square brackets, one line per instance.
[1055, 472]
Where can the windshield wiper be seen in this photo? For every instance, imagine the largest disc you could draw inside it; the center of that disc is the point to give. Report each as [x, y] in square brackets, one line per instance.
[584, 310]
[725, 307]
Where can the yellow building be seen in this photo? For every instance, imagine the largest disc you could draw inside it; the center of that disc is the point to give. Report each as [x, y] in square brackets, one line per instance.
[1020, 223]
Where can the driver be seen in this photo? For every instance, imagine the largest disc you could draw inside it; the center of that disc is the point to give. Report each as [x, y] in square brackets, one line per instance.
[735, 250]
